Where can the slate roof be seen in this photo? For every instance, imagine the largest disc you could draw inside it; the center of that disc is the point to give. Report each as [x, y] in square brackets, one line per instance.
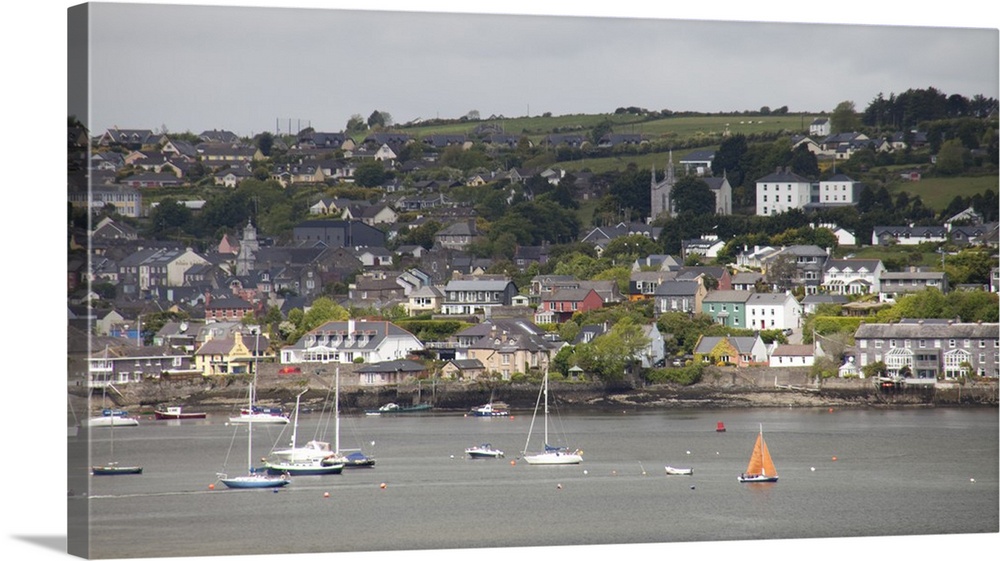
[677, 288]
[741, 344]
[929, 330]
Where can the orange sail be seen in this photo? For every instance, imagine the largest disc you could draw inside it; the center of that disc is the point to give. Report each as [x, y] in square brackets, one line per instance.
[760, 459]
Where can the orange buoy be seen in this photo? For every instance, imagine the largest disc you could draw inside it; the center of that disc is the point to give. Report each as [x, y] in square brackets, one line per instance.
[382, 486]
[326, 495]
[211, 485]
[512, 462]
[834, 458]
[831, 410]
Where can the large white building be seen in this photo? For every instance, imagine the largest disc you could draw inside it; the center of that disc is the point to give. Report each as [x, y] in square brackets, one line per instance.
[782, 191]
[344, 342]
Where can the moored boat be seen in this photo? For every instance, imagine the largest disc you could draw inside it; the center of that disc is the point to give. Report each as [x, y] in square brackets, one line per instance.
[114, 468]
[485, 450]
[550, 455]
[261, 415]
[177, 412]
[111, 417]
[395, 409]
[491, 409]
[679, 471]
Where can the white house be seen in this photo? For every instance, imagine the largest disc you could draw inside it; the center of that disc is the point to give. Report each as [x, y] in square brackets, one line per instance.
[839, 190]
[782, 191]
[791, 355]
[772, 311]
[844, 237]
[820, 127]
[346, 341]
[853, 276]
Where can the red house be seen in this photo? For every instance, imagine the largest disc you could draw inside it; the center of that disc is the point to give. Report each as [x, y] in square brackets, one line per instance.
[227, 309]
[560, 305]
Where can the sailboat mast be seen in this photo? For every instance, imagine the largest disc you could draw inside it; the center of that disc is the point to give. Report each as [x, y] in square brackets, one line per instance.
[253, 385]
[546, 418]
[336, 415]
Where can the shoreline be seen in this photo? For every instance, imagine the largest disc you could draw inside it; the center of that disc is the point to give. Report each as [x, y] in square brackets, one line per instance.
[721, 390]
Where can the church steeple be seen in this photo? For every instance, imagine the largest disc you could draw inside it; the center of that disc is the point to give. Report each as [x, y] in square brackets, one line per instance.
[248, 246]
[660, 191]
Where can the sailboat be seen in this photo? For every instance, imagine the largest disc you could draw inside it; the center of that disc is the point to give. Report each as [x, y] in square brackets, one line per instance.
[321, 450]
[761, 467]
[113, 467]
[256, 414]
[356, 459]
[254, 479]
[550, 455]
[299, 462]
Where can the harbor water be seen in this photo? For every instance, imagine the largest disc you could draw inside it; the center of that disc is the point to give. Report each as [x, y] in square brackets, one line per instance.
[843, 473]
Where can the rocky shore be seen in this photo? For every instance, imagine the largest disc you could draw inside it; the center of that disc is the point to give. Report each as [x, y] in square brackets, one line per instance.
[720, 388]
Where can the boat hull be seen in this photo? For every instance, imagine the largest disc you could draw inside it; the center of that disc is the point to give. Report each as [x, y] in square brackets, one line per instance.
[679, 471]
[492, 454]
[757, 479]
[116, 470]
[111, 421]
[553, 459]
[305, 468]
[357, 460]
[254, 482]
[260, 419]
[168, 416]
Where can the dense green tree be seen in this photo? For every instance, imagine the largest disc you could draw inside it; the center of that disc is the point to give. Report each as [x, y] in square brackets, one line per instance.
[844, 118]
[322, 310]
[691, 195]
[168, 220]
[609, 355]
[265, 141]
[951, 159]
[729, 158]
[370, 173]
[626, 249]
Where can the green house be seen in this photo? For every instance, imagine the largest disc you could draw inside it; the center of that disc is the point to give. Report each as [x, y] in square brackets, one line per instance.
[728, 307]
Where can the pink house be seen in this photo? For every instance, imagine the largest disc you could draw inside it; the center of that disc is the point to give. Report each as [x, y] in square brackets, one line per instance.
[560, 305]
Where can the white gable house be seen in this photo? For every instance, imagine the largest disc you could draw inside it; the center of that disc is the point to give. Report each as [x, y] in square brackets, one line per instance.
[773, 311]
[343, 342]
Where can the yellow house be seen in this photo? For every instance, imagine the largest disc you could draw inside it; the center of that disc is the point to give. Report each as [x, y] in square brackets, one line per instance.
[233, 355]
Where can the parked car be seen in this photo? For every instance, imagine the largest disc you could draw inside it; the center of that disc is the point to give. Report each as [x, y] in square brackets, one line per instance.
[289, 370]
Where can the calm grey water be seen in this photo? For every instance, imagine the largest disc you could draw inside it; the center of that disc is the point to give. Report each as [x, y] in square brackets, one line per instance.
[842, 473]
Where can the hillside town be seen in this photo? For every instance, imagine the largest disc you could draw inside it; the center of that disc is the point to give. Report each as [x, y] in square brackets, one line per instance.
[142, 308]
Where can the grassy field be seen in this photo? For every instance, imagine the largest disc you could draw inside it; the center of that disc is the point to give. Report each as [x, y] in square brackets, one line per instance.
[937, 192]
[668, 128]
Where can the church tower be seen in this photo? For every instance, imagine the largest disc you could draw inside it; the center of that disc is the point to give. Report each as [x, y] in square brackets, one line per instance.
[248, 247]
[660, 191]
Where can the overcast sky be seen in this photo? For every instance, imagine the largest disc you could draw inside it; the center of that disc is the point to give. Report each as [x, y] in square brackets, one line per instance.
[251, 68]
